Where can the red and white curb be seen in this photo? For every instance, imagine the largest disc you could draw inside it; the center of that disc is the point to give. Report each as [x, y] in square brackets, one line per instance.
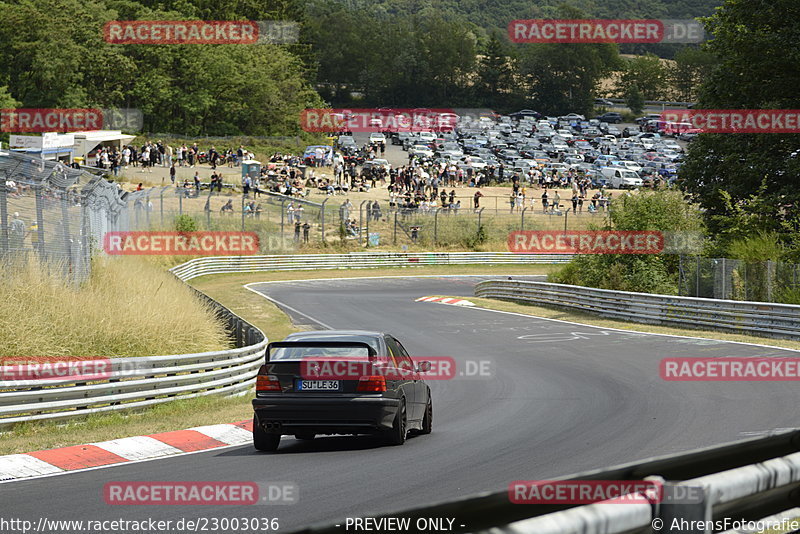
[446, 300]
[118, 451]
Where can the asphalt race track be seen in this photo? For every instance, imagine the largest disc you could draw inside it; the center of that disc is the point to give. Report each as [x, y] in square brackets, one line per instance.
[562, 398]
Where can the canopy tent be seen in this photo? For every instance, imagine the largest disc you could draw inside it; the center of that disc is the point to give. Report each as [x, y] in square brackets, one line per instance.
[86, 142]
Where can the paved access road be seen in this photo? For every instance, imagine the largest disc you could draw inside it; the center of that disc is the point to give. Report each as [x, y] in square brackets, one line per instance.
[562, 398]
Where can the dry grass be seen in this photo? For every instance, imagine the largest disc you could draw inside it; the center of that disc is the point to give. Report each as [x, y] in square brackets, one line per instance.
[128, 307]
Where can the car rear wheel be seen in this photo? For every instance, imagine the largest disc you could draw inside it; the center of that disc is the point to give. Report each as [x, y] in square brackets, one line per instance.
[427, 421]
[264, 441]
[397, 435]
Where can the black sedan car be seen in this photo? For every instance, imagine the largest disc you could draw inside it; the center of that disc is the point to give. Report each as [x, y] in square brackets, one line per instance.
[340, 382]
[611, 116]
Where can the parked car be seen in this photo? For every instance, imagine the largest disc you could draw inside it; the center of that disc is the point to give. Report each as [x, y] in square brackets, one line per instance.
[621, 178]
[610, 116]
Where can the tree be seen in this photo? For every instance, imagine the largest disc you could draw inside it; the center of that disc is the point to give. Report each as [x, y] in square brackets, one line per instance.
[692, 66]
[647, 73]
[755, 46]
[495, 72]
[634, 99]
[6, 100]
[564, 78]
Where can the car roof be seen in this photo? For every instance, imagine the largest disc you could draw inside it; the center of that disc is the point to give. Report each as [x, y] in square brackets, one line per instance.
[321, 334]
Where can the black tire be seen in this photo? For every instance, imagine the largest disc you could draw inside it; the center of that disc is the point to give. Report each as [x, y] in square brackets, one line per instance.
[306, 436]
[397, 435]
[617, 121]
[264, 441]
[427, 421]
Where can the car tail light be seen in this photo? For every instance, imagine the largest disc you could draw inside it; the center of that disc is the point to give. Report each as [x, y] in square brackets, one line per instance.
[371, 384]
[267, 383]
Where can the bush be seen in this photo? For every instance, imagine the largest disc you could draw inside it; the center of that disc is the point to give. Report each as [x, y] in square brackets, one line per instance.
[478, 238]
[662, 210]
[185, 223]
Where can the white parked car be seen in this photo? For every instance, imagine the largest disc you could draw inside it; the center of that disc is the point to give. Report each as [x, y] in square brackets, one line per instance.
[377, 137]
[476, 162]
[631, 165]
[620, 178]
[421, 150]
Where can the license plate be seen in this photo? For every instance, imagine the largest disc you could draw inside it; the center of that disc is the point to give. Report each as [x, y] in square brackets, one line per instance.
[317, 385]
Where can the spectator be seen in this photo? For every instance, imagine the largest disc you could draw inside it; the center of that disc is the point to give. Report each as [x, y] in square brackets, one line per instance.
[17, 232]
[306, 228]
[476, 199]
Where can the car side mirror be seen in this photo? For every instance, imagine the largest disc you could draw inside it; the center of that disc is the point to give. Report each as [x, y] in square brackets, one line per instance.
[423, 367]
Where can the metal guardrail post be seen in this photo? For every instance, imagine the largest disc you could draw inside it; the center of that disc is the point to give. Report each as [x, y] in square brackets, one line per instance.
[361, 220]
[566, 217]
[283, 213]
[65, 233]
[39, 220]
[684, 513]
[697, 278]
[770, 267]
[4, 242]
[522, 219]
[436, 226]
[480, 212]
[147, 208]
[366, 243]
[323, 218]
[394, 237]
[243, 197]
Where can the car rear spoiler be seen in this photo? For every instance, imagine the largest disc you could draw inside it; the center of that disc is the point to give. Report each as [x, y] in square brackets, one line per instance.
[371, 352]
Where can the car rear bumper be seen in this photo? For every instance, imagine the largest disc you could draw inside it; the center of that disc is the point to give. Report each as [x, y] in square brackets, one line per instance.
[325, 415]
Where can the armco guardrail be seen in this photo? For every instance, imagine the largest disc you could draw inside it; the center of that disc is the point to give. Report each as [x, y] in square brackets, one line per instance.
[139, 382]
[354, 260]
[748, 480]
[754, 318]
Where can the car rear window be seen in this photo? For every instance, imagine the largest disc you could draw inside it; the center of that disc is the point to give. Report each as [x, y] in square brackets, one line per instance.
[300, 353]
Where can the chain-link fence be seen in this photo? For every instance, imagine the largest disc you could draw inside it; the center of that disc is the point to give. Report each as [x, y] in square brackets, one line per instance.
[459, 228]
[724, 278]
[61, 215]
[55, 212]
